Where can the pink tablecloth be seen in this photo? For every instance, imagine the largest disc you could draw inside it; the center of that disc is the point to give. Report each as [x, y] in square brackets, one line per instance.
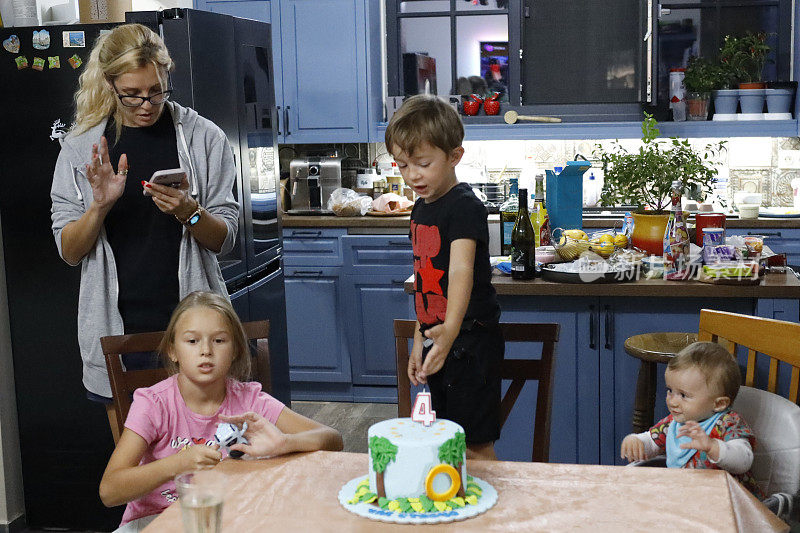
[298, 493]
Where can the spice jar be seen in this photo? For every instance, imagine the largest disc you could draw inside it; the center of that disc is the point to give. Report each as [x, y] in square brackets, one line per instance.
[379, 187]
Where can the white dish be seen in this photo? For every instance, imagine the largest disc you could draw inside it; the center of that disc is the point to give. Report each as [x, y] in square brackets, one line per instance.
[748, 210]
[373, 512]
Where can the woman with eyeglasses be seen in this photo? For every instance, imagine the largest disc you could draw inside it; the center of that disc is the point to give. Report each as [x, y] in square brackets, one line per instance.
[141, 246]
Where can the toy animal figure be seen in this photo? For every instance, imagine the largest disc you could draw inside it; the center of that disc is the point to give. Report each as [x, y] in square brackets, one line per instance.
[57, 130]
[227, 435]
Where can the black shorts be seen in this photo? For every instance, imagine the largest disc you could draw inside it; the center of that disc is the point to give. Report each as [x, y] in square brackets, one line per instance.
[467, 388]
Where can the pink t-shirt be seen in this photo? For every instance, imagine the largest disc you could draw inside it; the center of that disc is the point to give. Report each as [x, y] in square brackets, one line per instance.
[160, 416]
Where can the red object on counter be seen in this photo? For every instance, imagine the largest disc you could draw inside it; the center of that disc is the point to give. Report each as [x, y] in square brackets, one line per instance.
[491, 107]
[707, 220]
[471, 107]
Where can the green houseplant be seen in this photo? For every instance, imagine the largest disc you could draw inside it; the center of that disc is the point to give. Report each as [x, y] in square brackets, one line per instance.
[746, 56]
[700, 78]
[644, 178]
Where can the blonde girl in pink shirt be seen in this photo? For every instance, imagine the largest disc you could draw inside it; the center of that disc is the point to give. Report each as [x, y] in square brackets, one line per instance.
[171, 425]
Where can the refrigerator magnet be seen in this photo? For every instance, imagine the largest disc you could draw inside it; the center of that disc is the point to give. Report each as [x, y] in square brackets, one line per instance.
[21, 61]
[75, 61]
[54, 62]
[12, 44]
[73, 39]
[41, 39]
[38, 64]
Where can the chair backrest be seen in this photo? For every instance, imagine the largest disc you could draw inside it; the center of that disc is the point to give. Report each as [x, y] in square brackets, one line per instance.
[124, 382]
[517, 370]
[776, 339]
[775, 421]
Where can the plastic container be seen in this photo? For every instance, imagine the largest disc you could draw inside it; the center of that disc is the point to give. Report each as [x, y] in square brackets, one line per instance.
[591, 191]
[748, 210]
[677, 94]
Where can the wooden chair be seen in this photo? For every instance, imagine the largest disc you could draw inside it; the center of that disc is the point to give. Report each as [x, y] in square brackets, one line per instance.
[517, 370]
[124, 382]
[776, 339]
[773, 417]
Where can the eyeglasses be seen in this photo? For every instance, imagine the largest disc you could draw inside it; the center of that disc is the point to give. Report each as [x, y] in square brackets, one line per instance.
[136, 101]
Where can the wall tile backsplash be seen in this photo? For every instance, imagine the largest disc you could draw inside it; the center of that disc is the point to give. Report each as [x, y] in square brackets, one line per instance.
[747, 164]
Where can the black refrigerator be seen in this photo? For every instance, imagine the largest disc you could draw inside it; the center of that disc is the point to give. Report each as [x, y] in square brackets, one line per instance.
[224, 71]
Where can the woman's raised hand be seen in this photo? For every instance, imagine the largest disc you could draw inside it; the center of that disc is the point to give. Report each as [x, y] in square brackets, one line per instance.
[107, 186]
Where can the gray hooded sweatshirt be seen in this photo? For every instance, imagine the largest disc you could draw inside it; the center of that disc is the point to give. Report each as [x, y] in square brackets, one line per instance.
[205, 155]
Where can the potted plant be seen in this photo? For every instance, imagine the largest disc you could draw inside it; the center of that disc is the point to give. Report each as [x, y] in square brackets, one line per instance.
[747, 56]
[700, 78]
[644, 179]
[725, 93]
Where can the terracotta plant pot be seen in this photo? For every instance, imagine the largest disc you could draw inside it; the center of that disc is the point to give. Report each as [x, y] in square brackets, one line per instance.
[753, 85]
[697, 106]
[648, 232]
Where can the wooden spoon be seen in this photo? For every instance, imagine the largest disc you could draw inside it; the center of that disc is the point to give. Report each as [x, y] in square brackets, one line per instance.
[512, 116]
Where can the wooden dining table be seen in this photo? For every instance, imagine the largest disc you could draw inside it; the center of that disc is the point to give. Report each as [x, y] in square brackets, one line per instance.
[298, 493]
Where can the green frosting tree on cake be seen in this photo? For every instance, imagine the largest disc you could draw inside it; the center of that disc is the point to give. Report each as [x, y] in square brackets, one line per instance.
[382, 452]
[452, 452]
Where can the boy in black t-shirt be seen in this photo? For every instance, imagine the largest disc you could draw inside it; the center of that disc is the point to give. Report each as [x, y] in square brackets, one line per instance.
[458, 346]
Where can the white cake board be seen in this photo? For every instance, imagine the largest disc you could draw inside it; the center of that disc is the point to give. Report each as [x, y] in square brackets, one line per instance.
[368, 510]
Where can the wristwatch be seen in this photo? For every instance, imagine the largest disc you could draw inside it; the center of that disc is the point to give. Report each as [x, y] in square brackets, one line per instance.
[194, 217]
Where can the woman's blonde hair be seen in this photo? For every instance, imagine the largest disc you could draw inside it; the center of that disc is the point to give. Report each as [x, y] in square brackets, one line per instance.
[127, 47]
[240, 367]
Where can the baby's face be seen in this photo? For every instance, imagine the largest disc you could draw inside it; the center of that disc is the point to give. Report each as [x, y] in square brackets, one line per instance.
[689, 397]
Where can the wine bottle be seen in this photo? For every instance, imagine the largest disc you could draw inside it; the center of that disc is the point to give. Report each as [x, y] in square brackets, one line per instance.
[523, 242]
[508, 216]
[539, 218]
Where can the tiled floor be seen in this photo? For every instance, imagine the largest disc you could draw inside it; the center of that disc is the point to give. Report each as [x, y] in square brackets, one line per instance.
[351, 419]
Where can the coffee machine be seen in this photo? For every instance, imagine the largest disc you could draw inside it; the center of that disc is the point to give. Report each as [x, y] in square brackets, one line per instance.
[311, 182]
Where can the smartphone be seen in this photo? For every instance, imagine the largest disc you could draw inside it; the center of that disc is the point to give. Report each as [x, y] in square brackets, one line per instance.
[172, 177]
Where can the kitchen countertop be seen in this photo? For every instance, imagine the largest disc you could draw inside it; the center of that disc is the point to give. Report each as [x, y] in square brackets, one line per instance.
[291, 221]
[772, 286]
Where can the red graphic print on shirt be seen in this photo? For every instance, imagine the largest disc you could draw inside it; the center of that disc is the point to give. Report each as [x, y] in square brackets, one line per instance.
[429, 298]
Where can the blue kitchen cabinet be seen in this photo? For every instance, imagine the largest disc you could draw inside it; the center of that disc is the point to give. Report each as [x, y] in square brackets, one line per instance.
[375, 269]
[330, 86]
[326, 57]
[319, 357]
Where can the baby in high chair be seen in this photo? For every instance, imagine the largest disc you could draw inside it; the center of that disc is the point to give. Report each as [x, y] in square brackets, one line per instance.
[701, 430]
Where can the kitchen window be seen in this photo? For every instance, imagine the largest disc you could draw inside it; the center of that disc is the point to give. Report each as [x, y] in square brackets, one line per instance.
[584, 60]
[469, 42]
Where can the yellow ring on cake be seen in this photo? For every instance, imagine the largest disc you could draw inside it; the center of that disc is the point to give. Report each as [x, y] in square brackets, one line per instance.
[455, 482]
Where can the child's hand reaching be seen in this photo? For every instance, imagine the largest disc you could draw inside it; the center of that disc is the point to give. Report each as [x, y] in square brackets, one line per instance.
[442, 339]
[200, 457]
[700, 440]
[632, 449]
[263, 436]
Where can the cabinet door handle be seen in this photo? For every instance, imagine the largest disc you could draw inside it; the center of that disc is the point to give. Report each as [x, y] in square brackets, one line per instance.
[400, 243]
[592, 328]
[766, 233]
[286, 120]
[278, 119]
[398, 282]
[609, 326]
[307, 273]
[298, 233]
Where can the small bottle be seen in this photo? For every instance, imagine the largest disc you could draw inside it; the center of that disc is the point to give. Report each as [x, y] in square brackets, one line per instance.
[591, 192]
[539, 218]
[523, 242]
[676, 239]
[508, 216]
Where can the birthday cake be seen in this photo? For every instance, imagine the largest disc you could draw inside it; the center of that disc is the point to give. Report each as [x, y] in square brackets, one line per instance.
[417, 469]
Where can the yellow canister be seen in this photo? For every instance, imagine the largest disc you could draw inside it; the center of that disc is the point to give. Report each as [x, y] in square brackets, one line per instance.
[395, 184]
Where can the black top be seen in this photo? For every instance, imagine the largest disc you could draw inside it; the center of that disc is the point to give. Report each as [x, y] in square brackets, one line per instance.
[145, 241]
[459, 214]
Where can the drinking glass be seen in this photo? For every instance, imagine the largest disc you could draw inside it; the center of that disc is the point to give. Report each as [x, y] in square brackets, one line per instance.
[201, 495]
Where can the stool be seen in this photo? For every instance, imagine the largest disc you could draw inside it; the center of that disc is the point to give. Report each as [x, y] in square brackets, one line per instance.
[652, 348]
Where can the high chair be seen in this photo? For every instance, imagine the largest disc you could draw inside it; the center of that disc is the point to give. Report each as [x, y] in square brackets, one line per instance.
[124, 382]
[517, 370]
[775, 420]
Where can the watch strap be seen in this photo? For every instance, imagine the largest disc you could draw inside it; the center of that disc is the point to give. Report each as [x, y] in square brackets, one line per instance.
[192, 219]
